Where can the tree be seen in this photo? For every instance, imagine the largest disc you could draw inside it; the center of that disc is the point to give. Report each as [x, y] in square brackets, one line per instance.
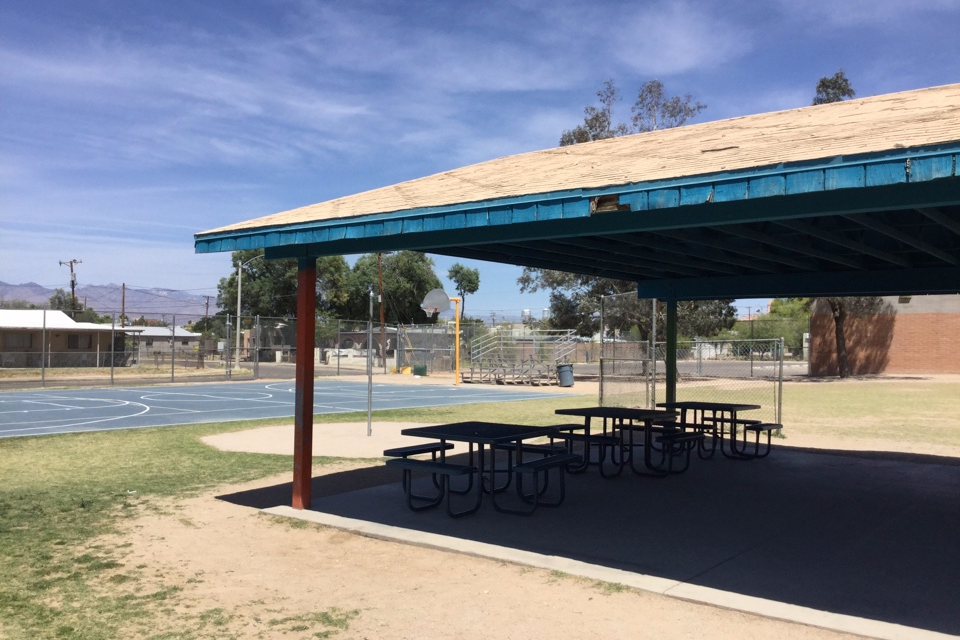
[651, 111]
[835, 88]
[841, 309]
[597, 123]
[788, 318]
[407, 277]
[17, 303]
[575, 299]
[575, 304]
[269, 287]
[63, 301]
[466, 280]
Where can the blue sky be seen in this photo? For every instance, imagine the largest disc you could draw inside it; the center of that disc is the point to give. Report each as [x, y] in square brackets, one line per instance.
[126, 127]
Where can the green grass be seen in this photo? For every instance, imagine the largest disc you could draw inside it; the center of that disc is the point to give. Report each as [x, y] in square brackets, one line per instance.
[900, 411]
[59, 493]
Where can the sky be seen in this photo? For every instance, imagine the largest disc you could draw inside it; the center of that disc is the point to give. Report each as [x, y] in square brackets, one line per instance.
[127, 127]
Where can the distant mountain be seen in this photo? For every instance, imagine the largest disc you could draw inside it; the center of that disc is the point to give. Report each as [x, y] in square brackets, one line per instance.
[109, 299]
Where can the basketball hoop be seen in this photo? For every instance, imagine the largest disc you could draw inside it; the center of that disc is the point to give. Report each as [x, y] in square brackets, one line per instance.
[436, 301]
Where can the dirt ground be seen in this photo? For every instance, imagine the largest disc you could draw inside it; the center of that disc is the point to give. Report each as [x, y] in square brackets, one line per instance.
[247, 575]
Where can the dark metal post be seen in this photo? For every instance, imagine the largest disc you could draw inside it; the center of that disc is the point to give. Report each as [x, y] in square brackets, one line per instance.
[670, 358]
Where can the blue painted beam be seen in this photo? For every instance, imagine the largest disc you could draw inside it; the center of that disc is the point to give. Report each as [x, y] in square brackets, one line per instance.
[797, 285]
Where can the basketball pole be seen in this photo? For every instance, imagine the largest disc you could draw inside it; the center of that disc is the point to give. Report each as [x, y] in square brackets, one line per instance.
[456, 341]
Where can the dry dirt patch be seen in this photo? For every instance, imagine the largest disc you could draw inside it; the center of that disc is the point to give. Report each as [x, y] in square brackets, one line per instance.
[246, 575]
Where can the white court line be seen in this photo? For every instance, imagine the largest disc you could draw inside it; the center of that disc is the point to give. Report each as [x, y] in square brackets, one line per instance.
[204, 397]
[65, 407]
[123, 403]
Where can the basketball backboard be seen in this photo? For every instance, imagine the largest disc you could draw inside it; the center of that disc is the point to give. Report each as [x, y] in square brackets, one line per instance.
[436, 299]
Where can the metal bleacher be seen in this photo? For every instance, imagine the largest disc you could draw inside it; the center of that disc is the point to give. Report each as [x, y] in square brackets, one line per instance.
[519, 356]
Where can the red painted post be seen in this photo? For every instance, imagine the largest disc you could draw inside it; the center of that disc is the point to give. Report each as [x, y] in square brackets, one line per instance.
[303, 410]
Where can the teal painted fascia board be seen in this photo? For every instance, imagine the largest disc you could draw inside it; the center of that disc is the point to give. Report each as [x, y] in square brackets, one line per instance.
[809, 205]
[907, 166]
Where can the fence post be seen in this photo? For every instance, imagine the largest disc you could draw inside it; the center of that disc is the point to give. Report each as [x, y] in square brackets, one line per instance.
[256, 348]
[43, 353]
[113, 344]
[780, 388]
[226, 347]
[173, 349]
[370, 366]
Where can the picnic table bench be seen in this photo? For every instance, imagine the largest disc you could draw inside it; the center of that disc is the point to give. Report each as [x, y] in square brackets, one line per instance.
[441, 470]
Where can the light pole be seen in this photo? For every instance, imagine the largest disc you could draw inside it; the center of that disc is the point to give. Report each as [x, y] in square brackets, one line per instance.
[239, 293]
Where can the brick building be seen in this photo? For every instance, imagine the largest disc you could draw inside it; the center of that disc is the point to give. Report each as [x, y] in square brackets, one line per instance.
[909, 334]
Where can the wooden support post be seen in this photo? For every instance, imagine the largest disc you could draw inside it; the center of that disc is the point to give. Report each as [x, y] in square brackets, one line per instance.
[303, 409]
[670, 359]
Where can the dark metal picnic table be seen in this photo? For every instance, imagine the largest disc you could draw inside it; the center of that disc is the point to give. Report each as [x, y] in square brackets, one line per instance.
[486, 435]
[623, 421]
[722, 420]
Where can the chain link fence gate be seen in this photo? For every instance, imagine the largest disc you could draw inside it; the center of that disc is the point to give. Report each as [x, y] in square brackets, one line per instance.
[633, 362]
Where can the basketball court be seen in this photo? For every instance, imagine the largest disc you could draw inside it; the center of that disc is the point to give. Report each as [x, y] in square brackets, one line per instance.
[42, 412]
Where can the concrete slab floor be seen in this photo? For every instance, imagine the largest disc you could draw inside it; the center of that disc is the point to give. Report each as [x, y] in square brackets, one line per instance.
[863, 543]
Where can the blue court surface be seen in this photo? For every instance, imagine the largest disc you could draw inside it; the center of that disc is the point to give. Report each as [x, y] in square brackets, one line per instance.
[32, 413]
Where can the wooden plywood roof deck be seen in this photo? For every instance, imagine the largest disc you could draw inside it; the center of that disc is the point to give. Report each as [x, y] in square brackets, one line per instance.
[911, 119]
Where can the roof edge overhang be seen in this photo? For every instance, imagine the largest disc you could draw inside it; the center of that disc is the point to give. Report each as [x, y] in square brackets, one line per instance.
[666, 204]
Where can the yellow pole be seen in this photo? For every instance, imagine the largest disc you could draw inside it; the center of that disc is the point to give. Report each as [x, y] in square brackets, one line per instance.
[456, 340]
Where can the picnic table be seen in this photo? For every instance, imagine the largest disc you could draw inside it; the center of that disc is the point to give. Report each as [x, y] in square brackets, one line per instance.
[489, 438]
[618, 429]
[720, 419]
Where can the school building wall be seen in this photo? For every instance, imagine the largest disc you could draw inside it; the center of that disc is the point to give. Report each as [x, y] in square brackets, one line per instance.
[910, 335]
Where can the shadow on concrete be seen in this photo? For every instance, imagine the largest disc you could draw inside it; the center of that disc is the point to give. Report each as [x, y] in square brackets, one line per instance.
[867, 534]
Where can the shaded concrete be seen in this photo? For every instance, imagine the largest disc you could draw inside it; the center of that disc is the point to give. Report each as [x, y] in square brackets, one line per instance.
[868, 543]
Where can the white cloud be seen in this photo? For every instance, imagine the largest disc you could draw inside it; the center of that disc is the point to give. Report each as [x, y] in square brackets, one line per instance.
[675, 38]
[857, 13]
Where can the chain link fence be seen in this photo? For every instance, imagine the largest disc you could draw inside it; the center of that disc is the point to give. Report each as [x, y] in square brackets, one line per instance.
[184, 348]
[53, 351]
[49, 351]
[633, 363]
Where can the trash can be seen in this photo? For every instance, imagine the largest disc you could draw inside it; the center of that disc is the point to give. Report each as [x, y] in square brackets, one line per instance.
[419, 369]
[565, 374]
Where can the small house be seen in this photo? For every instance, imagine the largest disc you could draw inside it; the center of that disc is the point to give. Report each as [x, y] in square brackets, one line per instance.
[32, 338]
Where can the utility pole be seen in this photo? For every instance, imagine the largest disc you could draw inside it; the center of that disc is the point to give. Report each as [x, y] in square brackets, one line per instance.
[73, 284]
[206, 307]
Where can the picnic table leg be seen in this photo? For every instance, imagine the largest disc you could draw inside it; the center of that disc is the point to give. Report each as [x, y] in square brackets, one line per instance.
[649, 469]
[469, 486]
